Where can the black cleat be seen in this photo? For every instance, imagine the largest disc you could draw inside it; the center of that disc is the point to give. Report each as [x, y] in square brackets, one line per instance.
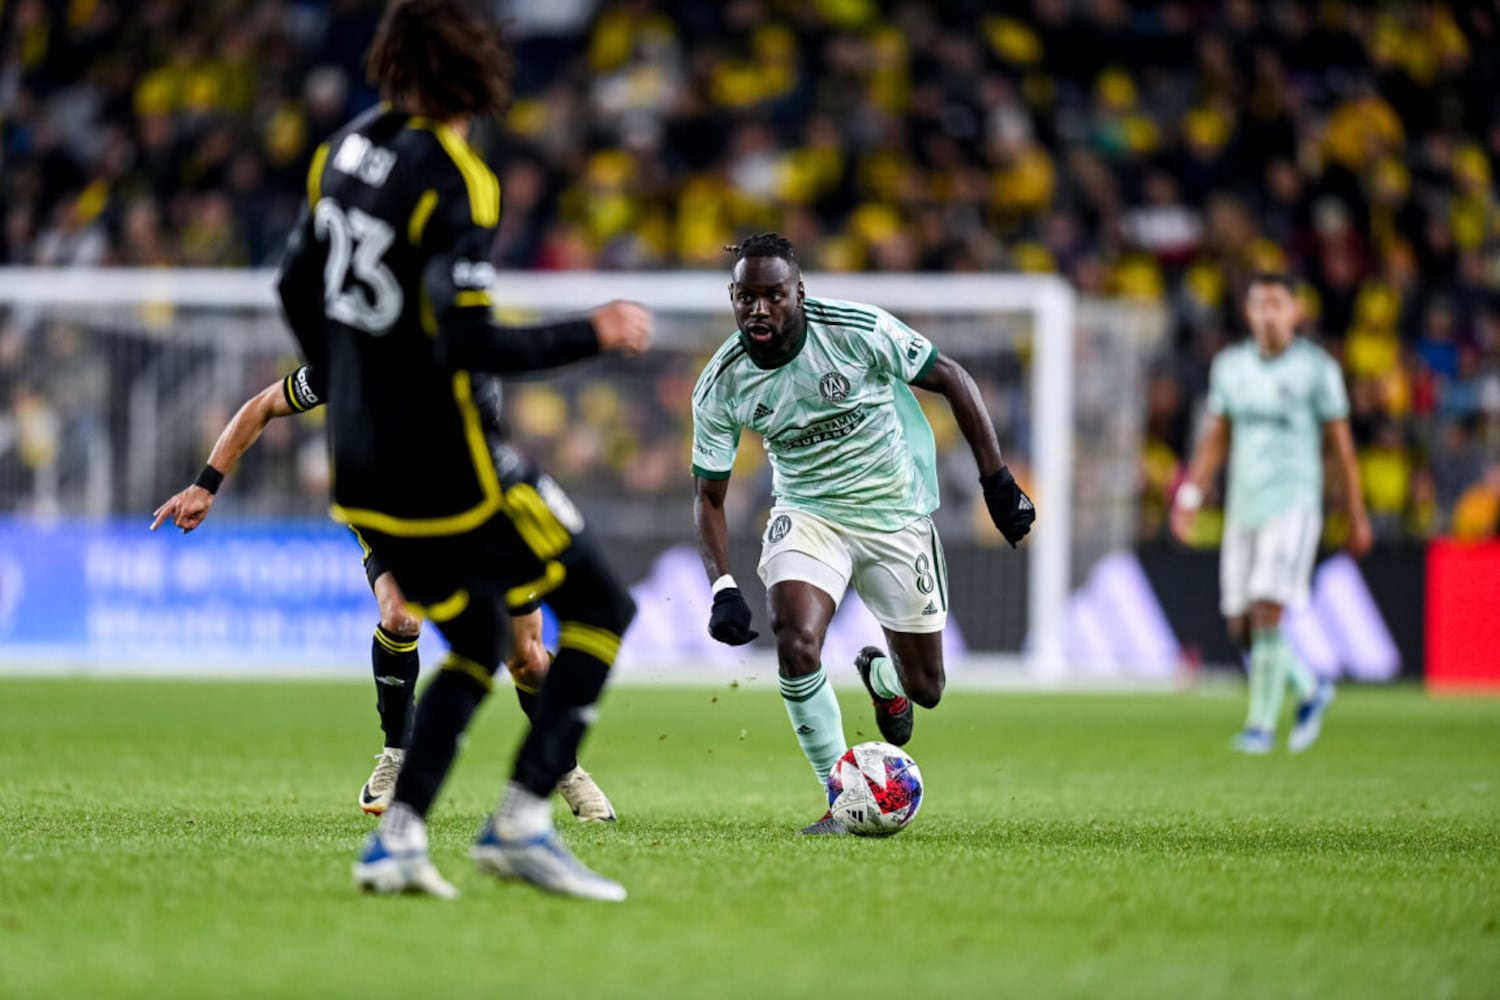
[825, 827]
[894, 716]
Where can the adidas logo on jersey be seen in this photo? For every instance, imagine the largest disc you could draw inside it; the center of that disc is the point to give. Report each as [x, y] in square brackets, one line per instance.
[761, 411]
[931, 609]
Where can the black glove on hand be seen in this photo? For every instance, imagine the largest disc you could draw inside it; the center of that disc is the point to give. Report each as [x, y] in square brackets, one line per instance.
[1010, 508]
[730, 621]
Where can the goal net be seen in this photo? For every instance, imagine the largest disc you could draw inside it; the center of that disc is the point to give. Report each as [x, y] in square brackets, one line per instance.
[113, 385]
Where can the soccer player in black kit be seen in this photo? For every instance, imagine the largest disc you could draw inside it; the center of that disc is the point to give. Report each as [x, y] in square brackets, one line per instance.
[393, 650]
[386, 285]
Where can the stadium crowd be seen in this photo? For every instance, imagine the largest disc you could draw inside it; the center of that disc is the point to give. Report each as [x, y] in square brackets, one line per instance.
[1159, 152]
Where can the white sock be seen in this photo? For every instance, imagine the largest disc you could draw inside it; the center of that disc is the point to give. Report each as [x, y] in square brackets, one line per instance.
[522, 815]
[402, 829]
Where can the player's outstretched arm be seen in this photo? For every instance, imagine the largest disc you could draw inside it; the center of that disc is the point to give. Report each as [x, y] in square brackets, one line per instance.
[730, 620]
[1337, 434]
[188, 508]
[458, 286]
[1208, 459]
[1009, 506]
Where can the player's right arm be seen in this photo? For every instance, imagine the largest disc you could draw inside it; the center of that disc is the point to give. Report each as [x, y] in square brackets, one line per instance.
[458, 281]
[1208, 458]
[297, 392]
[715, 441]
[1209, 454]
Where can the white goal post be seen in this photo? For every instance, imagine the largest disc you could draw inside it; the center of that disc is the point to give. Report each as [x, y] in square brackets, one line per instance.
[1045, 303]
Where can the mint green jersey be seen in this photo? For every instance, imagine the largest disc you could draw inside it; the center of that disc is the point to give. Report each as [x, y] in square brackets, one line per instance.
[845, 436]
[1276, 408]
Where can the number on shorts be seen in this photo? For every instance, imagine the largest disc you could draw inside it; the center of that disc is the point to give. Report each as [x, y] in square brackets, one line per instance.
[925, 579]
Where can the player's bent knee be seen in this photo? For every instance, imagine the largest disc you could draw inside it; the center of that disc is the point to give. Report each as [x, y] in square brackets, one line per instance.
[925, 691]
[799, 649]
[528, 678]
[400, 622]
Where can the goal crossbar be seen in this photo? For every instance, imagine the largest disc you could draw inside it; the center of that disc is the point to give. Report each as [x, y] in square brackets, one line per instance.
[1049, 300]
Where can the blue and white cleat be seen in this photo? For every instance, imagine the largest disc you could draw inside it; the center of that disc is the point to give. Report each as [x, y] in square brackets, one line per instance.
[1254, 741]
[543, 860]
[1309, 724]
[385, 870]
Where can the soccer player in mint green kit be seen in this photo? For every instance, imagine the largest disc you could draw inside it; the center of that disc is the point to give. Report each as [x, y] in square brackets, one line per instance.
[1273, 402]
[824, 383]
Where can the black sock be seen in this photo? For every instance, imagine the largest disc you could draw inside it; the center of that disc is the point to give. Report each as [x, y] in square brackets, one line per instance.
[559, 718]
[528, 705]
[396, 665]
[442, 715]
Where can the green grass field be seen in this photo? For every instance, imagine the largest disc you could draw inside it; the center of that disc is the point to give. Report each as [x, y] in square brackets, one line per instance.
[194, 839]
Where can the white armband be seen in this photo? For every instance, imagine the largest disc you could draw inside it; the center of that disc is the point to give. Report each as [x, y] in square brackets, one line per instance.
[1189, 496]
[723, 583]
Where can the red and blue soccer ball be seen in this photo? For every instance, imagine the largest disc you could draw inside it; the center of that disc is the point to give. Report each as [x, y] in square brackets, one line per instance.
[875, 789]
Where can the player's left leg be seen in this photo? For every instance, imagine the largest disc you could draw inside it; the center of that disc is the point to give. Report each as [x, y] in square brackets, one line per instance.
[519, 840]
[903, 579]
[1286, 548]
[528, 667]
[394, 659]
[438, 574]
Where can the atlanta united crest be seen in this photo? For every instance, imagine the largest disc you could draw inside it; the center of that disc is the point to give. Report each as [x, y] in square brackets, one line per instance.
[779, 528]
[834, 387]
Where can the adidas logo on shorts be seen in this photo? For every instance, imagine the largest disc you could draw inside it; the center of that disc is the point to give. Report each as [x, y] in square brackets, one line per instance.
[761, 411]
[931, 609]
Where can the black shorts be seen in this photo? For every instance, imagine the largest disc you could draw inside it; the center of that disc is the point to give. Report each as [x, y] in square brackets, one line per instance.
[543, 528]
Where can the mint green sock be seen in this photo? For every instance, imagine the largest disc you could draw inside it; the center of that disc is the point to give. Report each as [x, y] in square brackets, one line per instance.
[1267, 682]
[885, 678]
[816, 719]
[1303, 681]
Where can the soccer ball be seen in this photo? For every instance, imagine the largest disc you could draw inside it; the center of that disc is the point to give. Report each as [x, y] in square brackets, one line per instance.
[875, 789]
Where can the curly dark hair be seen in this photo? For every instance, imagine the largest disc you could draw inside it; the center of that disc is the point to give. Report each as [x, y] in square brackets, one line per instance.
[764, 245]
[444, 56]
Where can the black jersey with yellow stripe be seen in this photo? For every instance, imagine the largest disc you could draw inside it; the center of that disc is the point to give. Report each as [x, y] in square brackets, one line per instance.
[390, 256]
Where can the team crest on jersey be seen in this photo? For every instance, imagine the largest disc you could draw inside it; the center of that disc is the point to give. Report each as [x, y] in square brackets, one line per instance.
[779, 528]
[834, 387]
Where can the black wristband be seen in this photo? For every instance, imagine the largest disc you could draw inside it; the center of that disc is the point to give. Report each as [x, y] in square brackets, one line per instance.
[209, 479]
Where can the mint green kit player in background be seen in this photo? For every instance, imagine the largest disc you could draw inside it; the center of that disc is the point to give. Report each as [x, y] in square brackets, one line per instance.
[825, 384]
[1273, 402]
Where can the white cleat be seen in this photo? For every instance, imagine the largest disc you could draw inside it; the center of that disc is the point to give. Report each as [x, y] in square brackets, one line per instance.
[584, 796]
[544, 861]
[1309, 723]
[383, 870]
[376, 796]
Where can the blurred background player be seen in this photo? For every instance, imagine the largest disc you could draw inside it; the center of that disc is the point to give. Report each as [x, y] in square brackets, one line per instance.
[393, 650]
[386, 285]
[1273, 402]
[824, 383]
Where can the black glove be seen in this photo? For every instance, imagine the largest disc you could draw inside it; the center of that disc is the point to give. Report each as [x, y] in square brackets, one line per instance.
[1010, 508]
[730, 621]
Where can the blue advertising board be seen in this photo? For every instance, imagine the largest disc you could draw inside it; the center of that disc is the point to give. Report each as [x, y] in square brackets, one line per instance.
[230, 592]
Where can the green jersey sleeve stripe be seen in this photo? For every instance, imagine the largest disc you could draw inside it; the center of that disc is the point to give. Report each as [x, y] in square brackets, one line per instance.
[932, 356]
[858, 314]
[868, 314]
[835, 319]
[703, 473]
